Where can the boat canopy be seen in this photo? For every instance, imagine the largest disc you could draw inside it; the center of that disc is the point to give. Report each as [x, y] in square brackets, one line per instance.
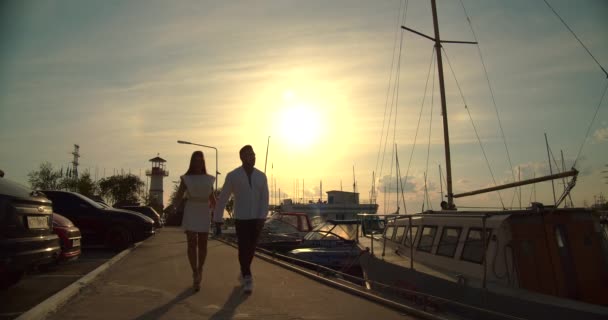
[335, 230]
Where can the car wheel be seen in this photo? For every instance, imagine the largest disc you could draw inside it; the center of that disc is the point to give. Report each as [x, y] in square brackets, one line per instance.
[118, 238]
[9, 278]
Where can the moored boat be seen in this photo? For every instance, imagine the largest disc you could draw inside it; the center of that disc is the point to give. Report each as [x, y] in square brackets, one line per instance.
[284, 231]
[527, 263]
[332, 244]
[539, 262]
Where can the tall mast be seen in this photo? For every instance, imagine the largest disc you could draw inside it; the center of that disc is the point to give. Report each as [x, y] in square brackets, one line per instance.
[444, 112]
[446, 137]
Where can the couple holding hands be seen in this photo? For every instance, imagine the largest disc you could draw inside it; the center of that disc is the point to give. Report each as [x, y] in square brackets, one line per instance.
[250, 189]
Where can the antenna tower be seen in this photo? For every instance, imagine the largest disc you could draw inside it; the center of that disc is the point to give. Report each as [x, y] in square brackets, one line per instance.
[76, 155]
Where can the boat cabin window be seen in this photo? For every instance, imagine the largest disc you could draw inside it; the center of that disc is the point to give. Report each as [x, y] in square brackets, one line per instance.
[473, 245]
[388, 232]
[373, 226]
[408, 241]
[399, 234]
[448, 242]
[427, 238]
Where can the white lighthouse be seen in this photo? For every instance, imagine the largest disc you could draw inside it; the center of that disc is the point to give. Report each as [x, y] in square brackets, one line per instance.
[156, 174]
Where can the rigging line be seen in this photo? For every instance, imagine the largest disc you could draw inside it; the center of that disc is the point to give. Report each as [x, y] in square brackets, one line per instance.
[576, 37]
[590, 125]
[390, 183]
[398, 78]
[392, 94]
[559, 169]
[443, 179]
[426, 195]
[396, 102]
[485, 70]
[531, 192]
[400, 181]
[428, 75]
[394, 106]
[428, 147]
[396, 92]
[473, 124]
[396, 177]
[388, 90]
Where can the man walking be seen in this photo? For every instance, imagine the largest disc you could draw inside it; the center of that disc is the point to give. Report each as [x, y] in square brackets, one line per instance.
[250, 189]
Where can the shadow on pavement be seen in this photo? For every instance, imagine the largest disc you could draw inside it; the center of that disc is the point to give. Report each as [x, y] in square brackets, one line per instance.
[227, 311]
[161, 310]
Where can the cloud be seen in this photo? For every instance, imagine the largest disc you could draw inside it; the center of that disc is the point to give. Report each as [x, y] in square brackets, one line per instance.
[528, 170]
[600, 135]
[388, 184]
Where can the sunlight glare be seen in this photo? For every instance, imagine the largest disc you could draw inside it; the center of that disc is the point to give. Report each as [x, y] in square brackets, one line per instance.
[288, 95]
[300, 125]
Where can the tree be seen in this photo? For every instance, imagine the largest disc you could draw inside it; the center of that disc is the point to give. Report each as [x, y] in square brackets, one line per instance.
[172, 199]
[121, 188]
[83, 184]
[86, 186]
[46, 178]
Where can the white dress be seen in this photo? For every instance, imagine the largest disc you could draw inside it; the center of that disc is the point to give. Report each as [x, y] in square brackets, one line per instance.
[197, 214]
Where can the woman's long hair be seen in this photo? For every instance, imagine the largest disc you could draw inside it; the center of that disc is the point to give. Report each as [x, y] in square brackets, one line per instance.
[191, 168]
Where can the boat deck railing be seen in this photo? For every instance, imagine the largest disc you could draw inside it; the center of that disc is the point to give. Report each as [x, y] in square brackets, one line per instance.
[394, 217]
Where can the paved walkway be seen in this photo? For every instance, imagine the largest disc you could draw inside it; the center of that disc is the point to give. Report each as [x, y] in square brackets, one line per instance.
[154, 282]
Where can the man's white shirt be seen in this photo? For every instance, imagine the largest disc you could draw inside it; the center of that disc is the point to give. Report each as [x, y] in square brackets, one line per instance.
[250, 201]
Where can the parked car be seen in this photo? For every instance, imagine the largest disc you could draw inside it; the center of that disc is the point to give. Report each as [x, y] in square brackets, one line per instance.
[148, 211]
[26, 236]
[173, 216]
[100, 225]
[70, 237]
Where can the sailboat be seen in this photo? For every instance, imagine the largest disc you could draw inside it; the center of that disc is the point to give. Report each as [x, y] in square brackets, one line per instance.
[540, 262]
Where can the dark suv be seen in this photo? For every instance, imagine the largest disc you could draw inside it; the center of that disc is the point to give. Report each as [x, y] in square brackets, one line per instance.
[26, 232]
[101, 225]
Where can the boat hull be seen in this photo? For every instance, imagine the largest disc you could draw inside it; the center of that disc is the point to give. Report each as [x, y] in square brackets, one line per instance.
[402, 283]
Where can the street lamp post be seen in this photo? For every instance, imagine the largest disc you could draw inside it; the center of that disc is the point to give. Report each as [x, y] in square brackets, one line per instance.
[202, 145]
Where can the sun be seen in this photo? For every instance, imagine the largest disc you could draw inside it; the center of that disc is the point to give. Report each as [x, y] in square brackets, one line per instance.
[300, 124]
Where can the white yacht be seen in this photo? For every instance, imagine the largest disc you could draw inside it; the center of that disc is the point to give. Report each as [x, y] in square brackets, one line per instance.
[534, 263]
[518, 263]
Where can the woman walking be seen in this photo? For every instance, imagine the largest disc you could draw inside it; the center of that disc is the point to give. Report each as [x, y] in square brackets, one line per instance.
[196, 189]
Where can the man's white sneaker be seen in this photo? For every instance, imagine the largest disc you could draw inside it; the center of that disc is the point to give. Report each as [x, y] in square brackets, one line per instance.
[248, 284]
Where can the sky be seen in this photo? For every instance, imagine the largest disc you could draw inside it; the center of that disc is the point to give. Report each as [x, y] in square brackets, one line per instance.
[314, 84]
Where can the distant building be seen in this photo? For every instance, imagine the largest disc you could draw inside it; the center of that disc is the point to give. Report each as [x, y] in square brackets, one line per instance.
[340, 205]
